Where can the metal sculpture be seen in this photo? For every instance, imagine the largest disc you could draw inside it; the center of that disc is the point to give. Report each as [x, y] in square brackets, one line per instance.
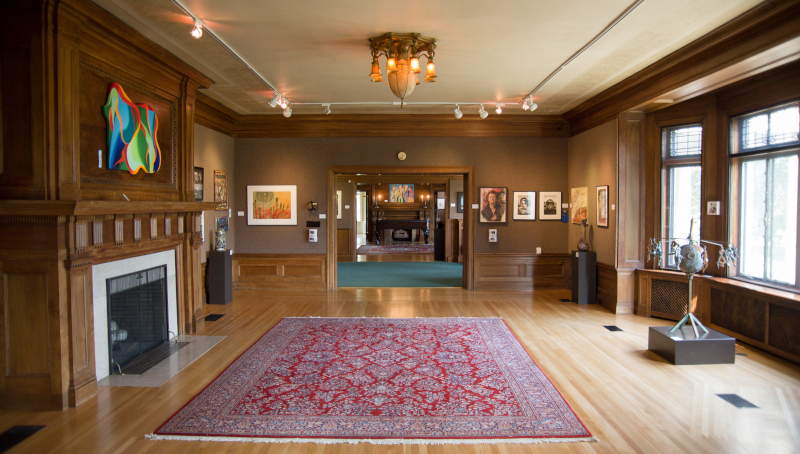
[691, 258]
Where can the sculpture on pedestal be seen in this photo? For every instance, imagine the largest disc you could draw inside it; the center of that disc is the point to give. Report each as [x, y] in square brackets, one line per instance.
[691, 258]
[219, 240]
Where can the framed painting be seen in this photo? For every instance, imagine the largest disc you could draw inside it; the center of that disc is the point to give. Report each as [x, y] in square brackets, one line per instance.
[549, 206]
[579, 205]
[221, 189]
[198, 184]
[602, 206]
[222, 224]
[493, 204]
[459, 202]
[272, 205]
[338, 204]
[401, 192]
[524, 206]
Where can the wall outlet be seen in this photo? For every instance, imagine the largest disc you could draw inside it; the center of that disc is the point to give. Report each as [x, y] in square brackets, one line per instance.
[493, 235]
[312, 235]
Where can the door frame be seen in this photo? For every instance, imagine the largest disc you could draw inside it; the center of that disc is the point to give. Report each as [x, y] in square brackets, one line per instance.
[468, 173]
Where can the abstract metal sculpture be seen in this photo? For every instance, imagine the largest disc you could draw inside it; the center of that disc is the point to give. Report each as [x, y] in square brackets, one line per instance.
[691, 258]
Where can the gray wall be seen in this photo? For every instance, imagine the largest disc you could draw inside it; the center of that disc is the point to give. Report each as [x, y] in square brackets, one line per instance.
[518, 164]
[215, 151]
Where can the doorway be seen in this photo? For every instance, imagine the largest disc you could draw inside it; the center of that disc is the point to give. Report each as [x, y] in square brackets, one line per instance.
[385, 174]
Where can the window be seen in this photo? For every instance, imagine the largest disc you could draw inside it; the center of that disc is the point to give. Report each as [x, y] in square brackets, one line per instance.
[681, 160]
[764, 170]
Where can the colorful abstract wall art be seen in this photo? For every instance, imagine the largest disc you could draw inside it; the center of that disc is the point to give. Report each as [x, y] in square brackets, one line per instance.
[131, 133]
[272, 205]
[401, 192]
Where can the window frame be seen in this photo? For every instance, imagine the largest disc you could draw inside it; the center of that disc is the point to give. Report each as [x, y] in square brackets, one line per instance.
[736, 161]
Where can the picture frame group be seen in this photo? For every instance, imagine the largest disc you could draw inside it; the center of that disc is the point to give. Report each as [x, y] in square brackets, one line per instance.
[523, 205]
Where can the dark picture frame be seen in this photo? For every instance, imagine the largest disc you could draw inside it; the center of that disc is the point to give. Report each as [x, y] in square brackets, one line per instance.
[524, 206]
[221, 189]
[602, 206]
[222, 223]
[549, 205]
[459, 202]
[198, 184]
[500, 214]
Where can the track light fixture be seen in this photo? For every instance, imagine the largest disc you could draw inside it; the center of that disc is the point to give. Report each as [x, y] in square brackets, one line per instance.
[197, 30]
[534, 106]
[287, 112]
[457, 112]
[275, 98]
[528, 104]
[483, 113]
[499, 109]
[327, 109]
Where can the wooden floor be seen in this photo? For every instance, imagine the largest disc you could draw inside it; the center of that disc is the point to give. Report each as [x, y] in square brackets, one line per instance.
[630, 399]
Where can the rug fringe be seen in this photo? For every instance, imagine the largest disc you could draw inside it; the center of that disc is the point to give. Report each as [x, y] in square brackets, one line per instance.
[374, 441]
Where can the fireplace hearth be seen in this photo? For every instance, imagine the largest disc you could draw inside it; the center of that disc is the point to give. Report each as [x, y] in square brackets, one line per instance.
[137, 315]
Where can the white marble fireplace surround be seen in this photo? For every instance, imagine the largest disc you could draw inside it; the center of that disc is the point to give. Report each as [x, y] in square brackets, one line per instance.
[118, 268]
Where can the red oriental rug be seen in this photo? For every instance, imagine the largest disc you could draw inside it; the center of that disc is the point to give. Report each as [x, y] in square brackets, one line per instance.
[376, 249]
[382, 381]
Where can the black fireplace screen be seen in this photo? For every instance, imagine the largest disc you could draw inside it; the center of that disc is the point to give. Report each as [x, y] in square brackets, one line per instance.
[137, 314]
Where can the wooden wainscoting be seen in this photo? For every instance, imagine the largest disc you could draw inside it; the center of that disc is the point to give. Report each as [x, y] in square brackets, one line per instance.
[344, 247]
[615, 288]
[257, 271]
[522, 271]
[760, 316]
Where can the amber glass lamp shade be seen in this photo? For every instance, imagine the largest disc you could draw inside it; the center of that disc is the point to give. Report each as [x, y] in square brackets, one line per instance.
[415, 65]
[391, 64]
[376, 71]
[430, 73]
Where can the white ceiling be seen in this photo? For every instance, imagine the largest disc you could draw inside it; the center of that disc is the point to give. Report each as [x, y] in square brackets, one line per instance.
[316, 51]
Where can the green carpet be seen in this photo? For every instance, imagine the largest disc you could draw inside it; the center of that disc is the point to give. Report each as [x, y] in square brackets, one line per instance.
[399, 274]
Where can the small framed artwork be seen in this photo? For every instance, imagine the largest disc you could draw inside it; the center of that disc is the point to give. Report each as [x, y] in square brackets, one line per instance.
[221, 189]
[222, 224]
[713, 209]
[198, 184]
[459, 202]
[338, 204]
[550, 206]
[440, 204]
[579, 205]
[272, 205]
[494, 202]
[524, 206]
[602, 206]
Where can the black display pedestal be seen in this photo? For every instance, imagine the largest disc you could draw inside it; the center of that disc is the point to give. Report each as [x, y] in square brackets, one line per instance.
[438, 245]
[220, 277]
[584, 277]
[681, 347]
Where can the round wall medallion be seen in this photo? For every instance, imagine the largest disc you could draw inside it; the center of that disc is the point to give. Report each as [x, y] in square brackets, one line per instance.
[401, 156]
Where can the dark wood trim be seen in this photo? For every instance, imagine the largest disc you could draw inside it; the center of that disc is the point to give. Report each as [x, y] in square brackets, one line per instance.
[514, 271]
[284, 271]
[764, 27]
[607, 286]
[214, 115]
[400, 125]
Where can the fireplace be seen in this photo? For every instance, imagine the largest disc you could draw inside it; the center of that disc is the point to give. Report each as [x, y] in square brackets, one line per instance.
[134, 279]
[137, 314]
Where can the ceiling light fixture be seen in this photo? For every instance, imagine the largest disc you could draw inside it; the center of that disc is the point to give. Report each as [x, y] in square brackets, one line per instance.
[483, 113]
[499, 109]
[275, 98]
[458, 113]
[197, 30]
[402, 52]
[287, 112]
[534, 106]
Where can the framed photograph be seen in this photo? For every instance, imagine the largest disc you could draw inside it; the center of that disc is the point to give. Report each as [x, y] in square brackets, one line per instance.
[494, 202]
[549, 206]
[524, 206]
[602, 206]
[459, 202]
[440, 204]
[222, 224]
[713, 209]
[272, 205]
[221, 189]
[579, 206]
[338, 204]
[198, 184]
[401, 192]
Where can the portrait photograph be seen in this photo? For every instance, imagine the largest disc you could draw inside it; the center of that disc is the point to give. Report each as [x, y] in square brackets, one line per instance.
[549, 206]
[602, 206]
[198, 184]
[524, 207]
[579, 205]
[493, 204]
